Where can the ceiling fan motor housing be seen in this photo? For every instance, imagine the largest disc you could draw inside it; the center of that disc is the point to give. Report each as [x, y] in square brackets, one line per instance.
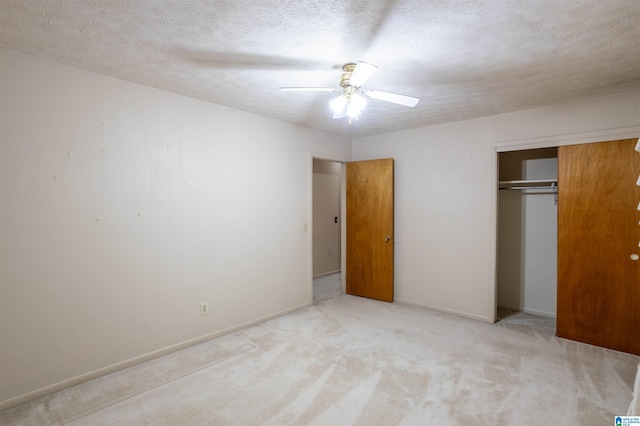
[346, 76]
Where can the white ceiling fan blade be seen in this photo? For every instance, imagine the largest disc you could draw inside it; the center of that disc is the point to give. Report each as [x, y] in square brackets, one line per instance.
[308, 89]
[408, 101]
[361, 73]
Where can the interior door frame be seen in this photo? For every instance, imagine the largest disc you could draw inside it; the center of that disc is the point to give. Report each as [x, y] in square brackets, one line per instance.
[552, 141]
[343, 213]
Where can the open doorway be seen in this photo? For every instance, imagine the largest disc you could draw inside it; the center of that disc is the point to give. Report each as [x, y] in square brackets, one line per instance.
[327, 229]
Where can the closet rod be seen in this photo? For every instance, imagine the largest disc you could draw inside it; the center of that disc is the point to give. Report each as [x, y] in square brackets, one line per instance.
[553, 187]
[529, 184]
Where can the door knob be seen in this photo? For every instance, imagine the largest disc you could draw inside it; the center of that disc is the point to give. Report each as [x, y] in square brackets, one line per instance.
[386, 239]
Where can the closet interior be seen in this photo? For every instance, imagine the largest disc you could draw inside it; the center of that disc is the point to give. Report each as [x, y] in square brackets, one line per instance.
[528, 231]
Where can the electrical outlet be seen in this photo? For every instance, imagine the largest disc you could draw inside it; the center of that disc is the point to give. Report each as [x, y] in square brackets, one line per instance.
[204, 308]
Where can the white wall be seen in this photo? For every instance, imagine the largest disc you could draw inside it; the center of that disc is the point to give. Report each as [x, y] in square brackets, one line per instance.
[326, 208]
[446, 178]
[124, 207]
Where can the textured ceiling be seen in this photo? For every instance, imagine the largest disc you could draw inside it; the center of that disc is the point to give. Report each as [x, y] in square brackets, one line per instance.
[464, 59]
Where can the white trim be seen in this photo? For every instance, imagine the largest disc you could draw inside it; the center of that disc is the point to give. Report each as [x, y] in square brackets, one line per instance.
[539, 312]
[329, 157]
[492, 301]
[444, 310]
[343, 213]
[324, 274]
[528, 311]
[569, 139]
[310, 230]
[38, 393]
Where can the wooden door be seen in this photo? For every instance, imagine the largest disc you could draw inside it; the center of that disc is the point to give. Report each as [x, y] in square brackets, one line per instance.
[598, 235]
[370, 229]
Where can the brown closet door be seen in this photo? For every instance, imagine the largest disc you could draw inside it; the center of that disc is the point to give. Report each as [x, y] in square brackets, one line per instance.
[598, 235]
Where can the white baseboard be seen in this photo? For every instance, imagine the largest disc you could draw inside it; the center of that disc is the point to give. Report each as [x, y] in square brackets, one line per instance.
[528, 310]
[38, 393]
[509, 307]
[324, 274]
[539, 312]
[444, 310]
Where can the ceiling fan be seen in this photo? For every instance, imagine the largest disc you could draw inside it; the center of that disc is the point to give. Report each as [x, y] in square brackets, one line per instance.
[353, 99]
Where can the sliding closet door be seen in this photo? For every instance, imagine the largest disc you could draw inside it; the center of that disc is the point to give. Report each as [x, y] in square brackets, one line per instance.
[598, 235]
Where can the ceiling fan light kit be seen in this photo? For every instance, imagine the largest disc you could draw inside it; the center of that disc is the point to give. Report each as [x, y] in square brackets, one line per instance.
[356, 105]
[352, 101]
[339, 104]
[348, 105]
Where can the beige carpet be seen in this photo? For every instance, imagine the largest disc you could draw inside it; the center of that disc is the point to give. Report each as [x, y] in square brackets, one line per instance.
[354, 361]
[326, 287]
